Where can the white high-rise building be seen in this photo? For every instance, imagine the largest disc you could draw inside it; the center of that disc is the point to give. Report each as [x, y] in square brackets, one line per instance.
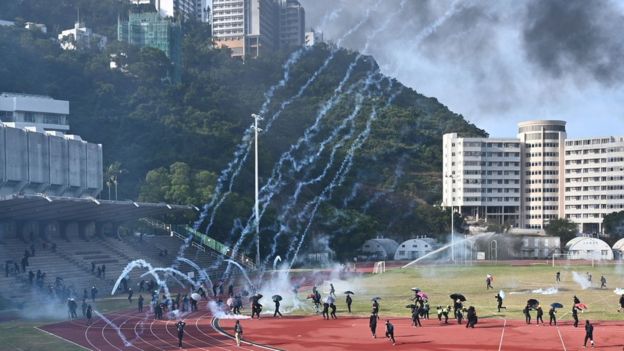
[539, 176]
[81, 37]
[251, 27]
[186, 9]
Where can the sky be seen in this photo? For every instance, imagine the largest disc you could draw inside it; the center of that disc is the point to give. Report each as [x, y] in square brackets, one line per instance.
[496, 62]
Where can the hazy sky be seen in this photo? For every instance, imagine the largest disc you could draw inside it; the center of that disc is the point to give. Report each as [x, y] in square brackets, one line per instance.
[496, 62]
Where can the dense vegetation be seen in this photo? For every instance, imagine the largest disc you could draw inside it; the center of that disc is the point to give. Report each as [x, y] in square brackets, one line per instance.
[172, 141]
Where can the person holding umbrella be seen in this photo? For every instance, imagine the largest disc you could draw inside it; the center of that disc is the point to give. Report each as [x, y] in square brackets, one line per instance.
[471, 317]
[575, 316]
[349, 300]
[276, 299]
[390, 332]
[180, 326]
[372, 323]
[552, 313]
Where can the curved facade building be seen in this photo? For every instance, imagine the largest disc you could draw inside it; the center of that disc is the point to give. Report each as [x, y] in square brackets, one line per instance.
[543, 144]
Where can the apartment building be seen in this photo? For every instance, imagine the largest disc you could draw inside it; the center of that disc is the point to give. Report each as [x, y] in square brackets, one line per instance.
[538, 176]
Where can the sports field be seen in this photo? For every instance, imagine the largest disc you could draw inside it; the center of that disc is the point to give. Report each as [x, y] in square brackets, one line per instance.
[305, 329]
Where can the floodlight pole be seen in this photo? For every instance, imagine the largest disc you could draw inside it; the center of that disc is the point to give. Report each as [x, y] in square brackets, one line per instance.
[256, 205]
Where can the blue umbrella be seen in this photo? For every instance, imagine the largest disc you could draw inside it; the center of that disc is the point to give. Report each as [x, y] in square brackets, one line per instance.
[556, 305]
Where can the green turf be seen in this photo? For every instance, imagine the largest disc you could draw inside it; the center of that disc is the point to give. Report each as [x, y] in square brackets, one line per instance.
[23, 336]
[440, 281]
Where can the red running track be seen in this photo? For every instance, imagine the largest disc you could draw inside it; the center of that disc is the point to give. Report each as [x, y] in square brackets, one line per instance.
[314, 333]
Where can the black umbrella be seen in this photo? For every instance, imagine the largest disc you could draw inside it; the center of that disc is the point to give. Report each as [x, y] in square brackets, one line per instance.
[532, 302]
[349, 292]
[556, 305]
[415, 289]
[376, 298]
[259, 296]
[412, 306]
[277, 298]
[457, 296]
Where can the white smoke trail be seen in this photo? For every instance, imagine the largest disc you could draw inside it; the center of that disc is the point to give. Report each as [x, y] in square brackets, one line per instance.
[582, 281]
[115, 327]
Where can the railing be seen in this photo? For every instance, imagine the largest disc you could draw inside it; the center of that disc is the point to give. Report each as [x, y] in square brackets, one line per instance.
[201, 240]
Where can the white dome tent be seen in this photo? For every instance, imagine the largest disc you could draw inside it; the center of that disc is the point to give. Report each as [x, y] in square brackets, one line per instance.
[618, 249]
[413, 248]
[380, 248]
[588, 248]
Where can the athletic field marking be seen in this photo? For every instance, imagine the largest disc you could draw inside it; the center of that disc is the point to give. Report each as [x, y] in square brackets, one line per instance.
[62, 338]
[500, 344]
[561, 338]
[218, 329]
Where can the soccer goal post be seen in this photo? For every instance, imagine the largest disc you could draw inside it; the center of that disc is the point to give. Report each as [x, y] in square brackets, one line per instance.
[379, 267]
[560, 259]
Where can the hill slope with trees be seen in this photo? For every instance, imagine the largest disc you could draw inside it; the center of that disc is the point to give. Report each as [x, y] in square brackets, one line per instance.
[172, 140]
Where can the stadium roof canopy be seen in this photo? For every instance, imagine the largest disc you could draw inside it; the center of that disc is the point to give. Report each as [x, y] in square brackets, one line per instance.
[42, 207]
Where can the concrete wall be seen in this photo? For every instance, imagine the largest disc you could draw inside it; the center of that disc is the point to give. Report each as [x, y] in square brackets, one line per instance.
[51, 163]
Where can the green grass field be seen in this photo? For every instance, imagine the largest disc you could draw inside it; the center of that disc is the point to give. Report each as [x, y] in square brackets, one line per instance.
[516, 281]
[394, 289]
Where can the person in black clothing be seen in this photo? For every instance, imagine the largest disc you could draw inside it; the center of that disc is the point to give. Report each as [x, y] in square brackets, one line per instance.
[277, 311]
[93, 293]
[130, 293]
[332, 307]
[372, 323]
[375, 307]
[575, 316]
[589, 334]
[576, 300]
[104, 271]
[89, 314]
[350, 301]
[621, 303]
[325, 310]
[540, 315]
[459, 315]
[180, 326]
[558, 277]
[471, 317]
[24, 263]
[445, 313]
[553, 317]
[527, 314]
[390, 332]
[499, 300]
[603, 282]
[416, 317]
[84, 308]
[141, 303]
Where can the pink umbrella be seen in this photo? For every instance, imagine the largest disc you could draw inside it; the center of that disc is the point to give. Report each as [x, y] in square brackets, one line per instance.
[581, 306]
[422, 295]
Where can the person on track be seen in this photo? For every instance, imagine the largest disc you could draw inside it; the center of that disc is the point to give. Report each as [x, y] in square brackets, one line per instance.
[89, 314]
[540, 315]
[589, 334]
[575, 316]
[277, 307]
[416, 317]
[372, 323]
[325, 310]
[332, 306]
[349, 302]
[471, 316]
[488, 282]
[238, 332]
[390, 332]
[140, 303]
[527, 313]
[180, 326]
[445, 313]
[499, 300]
[553, 316]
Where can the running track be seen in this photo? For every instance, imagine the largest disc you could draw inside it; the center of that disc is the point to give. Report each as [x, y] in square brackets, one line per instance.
[307, 333]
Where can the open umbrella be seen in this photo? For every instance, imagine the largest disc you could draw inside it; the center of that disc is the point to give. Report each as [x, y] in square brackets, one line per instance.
[376, 298]
[581, 306]
[311, 296]
[532, 302]
[415, 289]
[501, 294]
[457, 296]
[412, 306]
[195, 296]
[422, 295]
[259, 296]
[277, 298]
[556, 305]
[349, 292]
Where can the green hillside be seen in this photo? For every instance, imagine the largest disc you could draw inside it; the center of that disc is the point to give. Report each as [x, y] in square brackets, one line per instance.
[172, 141]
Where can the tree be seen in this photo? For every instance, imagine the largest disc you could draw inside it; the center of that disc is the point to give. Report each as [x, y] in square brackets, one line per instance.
[565, 229]
[613, 224]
